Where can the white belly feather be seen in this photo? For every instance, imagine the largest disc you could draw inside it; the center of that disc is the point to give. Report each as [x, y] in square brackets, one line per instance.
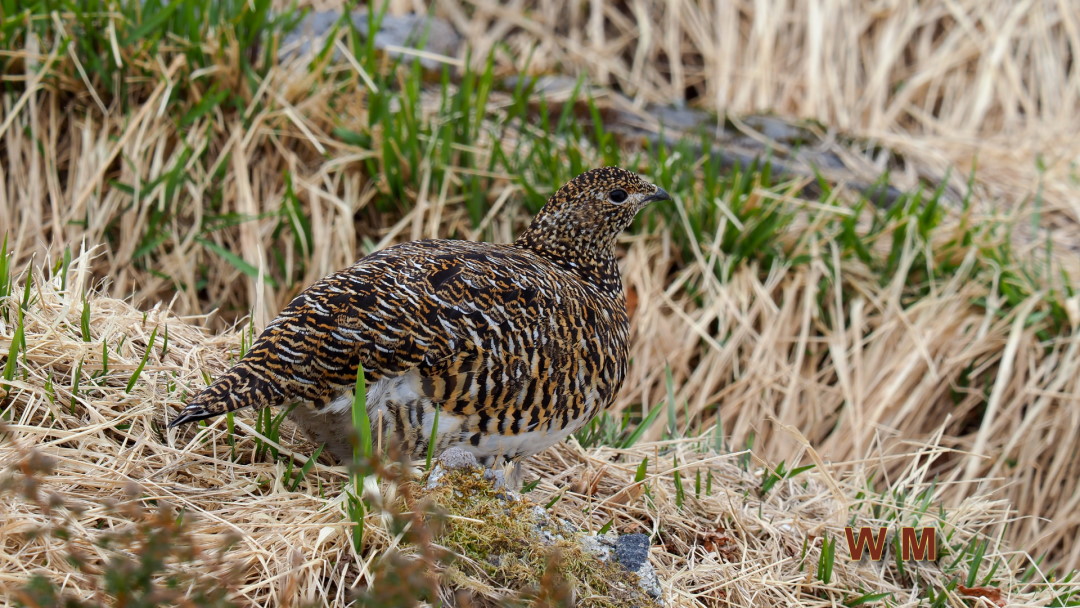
[404, 389]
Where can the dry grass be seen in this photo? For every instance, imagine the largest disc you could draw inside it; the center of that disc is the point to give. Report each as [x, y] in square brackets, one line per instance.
[941, 88]
[944, 84]
[956, 385]
[728, 545]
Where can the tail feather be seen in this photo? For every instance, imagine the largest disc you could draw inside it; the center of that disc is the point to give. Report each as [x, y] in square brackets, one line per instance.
[238, 388]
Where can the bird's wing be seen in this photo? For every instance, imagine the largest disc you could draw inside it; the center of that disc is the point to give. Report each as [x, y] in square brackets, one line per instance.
[446, 311]
[464, 314]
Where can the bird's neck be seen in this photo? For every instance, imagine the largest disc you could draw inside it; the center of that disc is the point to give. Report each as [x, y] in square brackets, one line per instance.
[590, 258]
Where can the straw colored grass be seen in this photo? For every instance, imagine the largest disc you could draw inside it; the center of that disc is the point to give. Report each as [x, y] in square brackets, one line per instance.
[727, 547]
[944, 84]
[826, 362]
[932, 91]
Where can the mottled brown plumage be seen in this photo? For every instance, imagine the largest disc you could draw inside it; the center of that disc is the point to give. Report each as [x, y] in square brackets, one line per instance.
[518, 344]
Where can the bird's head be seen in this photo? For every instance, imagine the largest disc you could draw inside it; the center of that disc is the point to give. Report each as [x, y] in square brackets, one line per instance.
[586, 214]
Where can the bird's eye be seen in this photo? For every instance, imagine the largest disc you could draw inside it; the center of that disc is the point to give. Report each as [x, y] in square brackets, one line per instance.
[617, 196]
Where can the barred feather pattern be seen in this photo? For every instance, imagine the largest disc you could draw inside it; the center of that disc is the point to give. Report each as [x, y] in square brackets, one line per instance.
[517, 345]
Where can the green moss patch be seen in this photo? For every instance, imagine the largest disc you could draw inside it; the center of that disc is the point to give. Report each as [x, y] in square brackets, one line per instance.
[507, 543]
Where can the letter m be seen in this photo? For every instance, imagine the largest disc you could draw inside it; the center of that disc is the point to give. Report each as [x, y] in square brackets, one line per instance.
[911, 548]
[866, 542]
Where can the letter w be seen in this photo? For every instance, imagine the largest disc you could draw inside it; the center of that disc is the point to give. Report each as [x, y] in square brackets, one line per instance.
[867, 541]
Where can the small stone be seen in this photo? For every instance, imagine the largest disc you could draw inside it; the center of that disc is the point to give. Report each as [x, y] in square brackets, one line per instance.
[458, 458]
[602, 546]
[778, 129]
[544, 85]
[452, 459]
[496, 477]
[438, 36]
[544, 525]
[681, 118]
[632, 550]
[649, 582]
[503, 488]
[406, 31]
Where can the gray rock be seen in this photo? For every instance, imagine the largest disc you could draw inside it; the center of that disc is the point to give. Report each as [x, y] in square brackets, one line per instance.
[422, 32]
[436, 36]
[602, 546]
[779, 129]
[650, 583]
[503, 483]
[546, 84]
[450, 460]
[632, 550]
[457, 458]
[434, 480]
[315, 24]
[681, 118]
[825, 159]
[549, 529]
[547, 536]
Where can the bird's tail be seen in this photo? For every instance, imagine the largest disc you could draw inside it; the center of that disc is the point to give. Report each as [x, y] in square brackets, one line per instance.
[238, 388]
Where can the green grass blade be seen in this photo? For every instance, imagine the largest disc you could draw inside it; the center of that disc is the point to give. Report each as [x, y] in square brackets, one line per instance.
[84, 321]
[362, 451]
[869, 598]
[236, 261]
[5, 269]
[155, 22]
[431, 440]
[642, 470]
[142, 362]
[647, 422]
[680, 492]
[306, 468]
[13, 350]
[826, 560]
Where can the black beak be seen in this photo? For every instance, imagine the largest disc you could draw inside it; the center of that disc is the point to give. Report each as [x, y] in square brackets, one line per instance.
[659, 195]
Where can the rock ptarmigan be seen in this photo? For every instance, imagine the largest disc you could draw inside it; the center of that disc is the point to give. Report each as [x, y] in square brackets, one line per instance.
[518, 345]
